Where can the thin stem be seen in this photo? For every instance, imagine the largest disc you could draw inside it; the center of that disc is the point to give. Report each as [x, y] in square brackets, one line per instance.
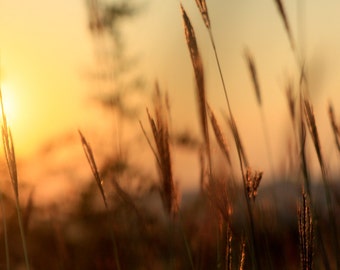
[267, 141]
[186, 243]
[219, 70]
[5, 231]
[23, 238]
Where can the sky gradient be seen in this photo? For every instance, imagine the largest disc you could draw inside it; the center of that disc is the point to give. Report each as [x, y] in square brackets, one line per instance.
[46, 51]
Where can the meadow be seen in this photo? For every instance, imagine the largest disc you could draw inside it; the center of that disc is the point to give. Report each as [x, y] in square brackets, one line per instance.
[129, 219]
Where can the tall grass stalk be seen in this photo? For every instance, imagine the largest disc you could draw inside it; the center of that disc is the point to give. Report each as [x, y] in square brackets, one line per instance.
[335, 127]
[244, 165]
[200, 82]
[284, 17]
[306, 233]
[256, 84]
[307, 189]
[4, 223]
[222, 142]
[91, 160]
[3, 211]
[169, 193]
[201, 4]
[310, 118]
[12, 169]
[305, 109]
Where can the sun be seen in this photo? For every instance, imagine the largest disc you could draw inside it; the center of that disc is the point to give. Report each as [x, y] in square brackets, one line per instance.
[9, 102]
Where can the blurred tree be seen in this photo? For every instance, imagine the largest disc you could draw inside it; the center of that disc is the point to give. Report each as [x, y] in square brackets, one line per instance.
[117, 76]
[120, 86]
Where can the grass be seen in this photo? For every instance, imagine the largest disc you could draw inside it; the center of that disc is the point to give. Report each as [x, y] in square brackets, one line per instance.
[233, 222]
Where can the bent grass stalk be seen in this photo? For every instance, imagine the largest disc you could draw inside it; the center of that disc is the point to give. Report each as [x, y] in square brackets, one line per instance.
[12, 169]
[90, 158]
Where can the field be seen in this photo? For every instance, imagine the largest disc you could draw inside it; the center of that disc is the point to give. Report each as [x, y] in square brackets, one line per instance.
[131, 219]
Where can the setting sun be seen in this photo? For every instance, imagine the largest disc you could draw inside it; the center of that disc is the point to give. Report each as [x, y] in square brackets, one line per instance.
[17, 112]
[10, 103]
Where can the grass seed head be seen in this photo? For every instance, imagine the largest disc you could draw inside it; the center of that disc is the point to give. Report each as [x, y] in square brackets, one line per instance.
[306, 232]
[335, 127]
[90, 158]
[199, 73]
[253, 179]
[284, 17]
[311, 123]
[253, 73]
[202, 6]
[160, 131]
[238, 141]
[219, 135]
[291, 99]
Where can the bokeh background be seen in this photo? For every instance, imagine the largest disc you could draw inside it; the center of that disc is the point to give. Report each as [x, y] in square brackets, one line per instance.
[52, 76]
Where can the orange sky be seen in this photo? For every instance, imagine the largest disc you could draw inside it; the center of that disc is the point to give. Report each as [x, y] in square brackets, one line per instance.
[46, 49]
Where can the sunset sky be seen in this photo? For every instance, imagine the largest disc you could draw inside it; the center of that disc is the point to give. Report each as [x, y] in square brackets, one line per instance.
[46, 51]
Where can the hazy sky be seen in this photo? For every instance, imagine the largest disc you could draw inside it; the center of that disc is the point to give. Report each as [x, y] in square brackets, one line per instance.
[46, 50]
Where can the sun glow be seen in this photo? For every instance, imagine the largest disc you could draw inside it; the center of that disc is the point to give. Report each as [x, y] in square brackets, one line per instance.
[16, 120]
[9, 102]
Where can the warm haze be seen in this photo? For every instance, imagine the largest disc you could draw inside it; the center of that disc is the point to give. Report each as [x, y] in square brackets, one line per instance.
[47, 51]
[124, 149]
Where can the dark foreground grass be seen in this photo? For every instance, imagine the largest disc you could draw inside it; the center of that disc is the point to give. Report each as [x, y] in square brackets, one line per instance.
[82, 240]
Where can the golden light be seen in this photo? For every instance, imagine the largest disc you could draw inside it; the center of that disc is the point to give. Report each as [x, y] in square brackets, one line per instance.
[9, 102]
[16, 120]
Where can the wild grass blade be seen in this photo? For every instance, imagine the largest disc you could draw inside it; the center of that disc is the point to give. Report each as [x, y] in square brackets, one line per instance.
[239, 146]
[306, 233]
[162, 153]
[160, 131]
[90, 158]
[244, 167]
[311, 123]
[291, 100]
[199, 75]
[253, 74]
[256, 84]
[202, 6]
[334, 126]
[12, 169]
[219, 135]
[228, 252]
[284, 17]
[243, 255]
[4, 224]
